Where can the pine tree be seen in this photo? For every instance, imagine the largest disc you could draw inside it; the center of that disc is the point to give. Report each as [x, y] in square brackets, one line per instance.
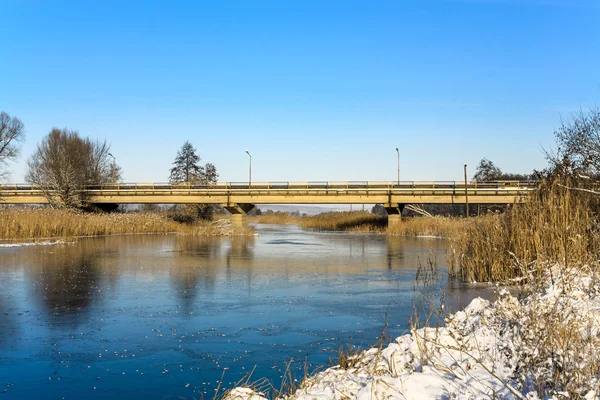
[186, 165]
[210, 174]
[187, 168]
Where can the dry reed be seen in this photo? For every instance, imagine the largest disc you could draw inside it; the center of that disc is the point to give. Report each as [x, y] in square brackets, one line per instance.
[447, 227]
[276, 218]
[36, 223]
[554, 225]
[366, 222]
[345, 221]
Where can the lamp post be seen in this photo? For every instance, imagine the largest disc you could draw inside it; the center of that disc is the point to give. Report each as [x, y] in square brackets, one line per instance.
[250, 172]
[114, 168]
[398, 151]
[466, 195]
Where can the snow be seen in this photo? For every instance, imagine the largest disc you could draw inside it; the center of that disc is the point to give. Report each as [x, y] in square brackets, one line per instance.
[244, 394]
[28, 244]
[545, 345]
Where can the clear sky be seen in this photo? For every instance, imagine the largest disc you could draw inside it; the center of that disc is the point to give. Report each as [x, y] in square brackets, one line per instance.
[315, 90]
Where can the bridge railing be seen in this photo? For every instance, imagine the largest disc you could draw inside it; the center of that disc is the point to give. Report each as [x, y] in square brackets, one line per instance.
[309, 185]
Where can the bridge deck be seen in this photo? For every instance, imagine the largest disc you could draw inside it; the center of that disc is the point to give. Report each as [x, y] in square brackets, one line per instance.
[353, 192]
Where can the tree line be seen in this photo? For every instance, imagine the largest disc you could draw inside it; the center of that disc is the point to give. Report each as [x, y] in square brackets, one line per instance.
[64, 164]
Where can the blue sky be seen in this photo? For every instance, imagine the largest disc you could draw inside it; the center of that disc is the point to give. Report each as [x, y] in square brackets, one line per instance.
[315, 90]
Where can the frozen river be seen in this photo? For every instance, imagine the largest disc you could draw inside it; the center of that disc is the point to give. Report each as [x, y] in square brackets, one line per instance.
[167, 316]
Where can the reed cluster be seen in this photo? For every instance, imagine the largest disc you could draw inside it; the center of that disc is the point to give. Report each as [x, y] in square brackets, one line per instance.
[438, 226]
[276, 218]
[356, 221]
[36, 223]
[554, 225]
[366, 222]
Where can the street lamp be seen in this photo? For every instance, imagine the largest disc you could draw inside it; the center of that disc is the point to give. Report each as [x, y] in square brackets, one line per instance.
[250, 173]
[466, 195]
[114, 168]
[398, 151]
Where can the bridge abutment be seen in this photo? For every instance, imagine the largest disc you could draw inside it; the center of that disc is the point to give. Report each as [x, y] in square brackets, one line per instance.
[238, 213]
[394, 212]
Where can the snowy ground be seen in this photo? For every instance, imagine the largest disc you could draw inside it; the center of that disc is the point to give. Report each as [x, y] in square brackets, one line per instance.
[546, 345]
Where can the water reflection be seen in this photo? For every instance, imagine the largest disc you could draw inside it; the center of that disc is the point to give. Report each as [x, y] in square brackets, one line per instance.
[403, 251]
[8, 323]
[195, 268]
[241, 248]
[66, 281]
[148, 315]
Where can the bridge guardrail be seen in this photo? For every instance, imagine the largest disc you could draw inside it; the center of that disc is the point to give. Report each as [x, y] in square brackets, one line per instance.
[310, 185]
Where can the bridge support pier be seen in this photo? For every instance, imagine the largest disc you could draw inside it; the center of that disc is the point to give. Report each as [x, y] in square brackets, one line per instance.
[394, 212]
[238, 213]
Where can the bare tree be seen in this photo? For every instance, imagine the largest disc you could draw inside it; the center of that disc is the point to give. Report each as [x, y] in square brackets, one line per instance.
[578, 145]
[64, 165]
[12, 132]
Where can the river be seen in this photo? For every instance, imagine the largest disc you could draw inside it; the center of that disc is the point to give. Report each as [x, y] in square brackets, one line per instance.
[167, 316]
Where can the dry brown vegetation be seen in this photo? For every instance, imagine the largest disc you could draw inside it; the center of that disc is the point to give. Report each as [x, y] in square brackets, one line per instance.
[35, 223]
[276, 218]
[358, 221]
[554, 225]
[361, 221]
[366, 222]
[447, 227]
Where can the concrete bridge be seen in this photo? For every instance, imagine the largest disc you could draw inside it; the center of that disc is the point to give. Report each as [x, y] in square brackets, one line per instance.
[240, 197]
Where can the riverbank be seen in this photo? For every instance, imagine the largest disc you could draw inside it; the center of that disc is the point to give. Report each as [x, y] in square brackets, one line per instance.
[47, 223]
[366, 222]
[545, 345]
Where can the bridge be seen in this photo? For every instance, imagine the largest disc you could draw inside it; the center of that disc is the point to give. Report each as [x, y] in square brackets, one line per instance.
[240, 197]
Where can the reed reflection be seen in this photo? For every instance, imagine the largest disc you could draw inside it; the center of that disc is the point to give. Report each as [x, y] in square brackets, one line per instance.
[193, 269]
[404, 251]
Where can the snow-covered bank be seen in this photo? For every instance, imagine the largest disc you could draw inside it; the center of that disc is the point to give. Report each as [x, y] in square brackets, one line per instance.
[546, 345]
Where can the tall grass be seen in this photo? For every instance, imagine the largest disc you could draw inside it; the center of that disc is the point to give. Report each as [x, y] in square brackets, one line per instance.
[554, 225]
[276, 218]
[35, 223]
[345, 221]
[366, 222]
[447, 227]
[330, 221]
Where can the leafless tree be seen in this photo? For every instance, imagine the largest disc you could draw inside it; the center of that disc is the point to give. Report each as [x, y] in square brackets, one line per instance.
[578, 145]
[12, 132]
[65, 164]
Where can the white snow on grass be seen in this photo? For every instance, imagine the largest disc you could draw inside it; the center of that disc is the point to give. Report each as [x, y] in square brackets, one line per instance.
[28, 244]
[546, 345]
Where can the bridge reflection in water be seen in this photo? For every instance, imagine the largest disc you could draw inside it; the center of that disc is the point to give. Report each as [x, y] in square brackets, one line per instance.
[96, 312]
